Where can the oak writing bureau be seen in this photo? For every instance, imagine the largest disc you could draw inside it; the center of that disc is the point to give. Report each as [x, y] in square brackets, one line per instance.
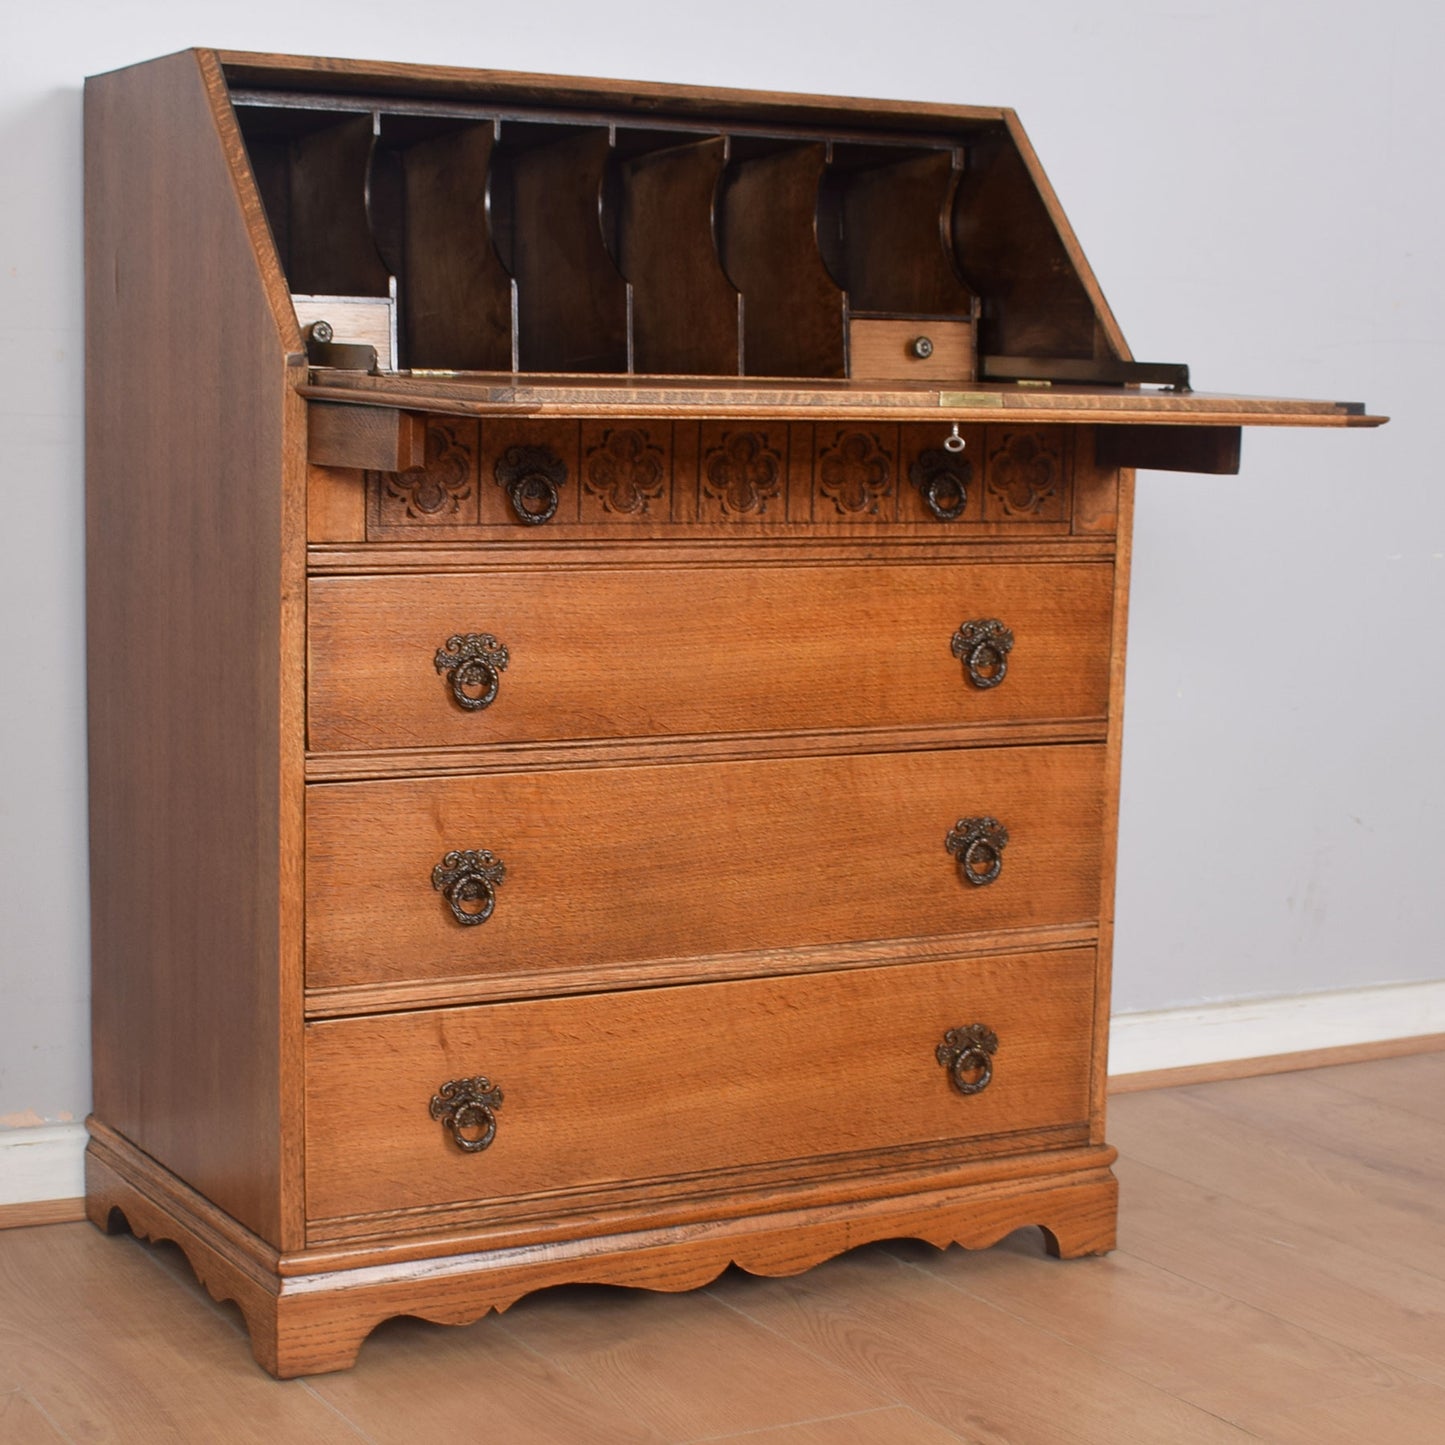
[607, 613]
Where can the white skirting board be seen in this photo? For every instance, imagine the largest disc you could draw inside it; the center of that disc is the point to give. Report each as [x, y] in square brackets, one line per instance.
[1263, 1027]
[43, 1163]
[46, 1163]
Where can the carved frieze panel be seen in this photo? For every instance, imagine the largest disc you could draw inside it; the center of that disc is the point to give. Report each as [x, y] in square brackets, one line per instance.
[855, 474]
[743, 473]
[530, 476]
[441, 493]
[626, 472]
[941, 487]
[1024, 476]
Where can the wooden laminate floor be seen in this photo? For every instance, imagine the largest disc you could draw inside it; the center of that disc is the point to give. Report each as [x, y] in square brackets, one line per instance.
[1280, 1277]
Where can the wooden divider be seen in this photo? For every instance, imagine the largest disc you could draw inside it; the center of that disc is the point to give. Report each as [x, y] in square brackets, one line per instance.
[312, 169]
[686, 314]
[551, 244]
[883, 224]
[572, 302]
[793, 311]
[429, 211]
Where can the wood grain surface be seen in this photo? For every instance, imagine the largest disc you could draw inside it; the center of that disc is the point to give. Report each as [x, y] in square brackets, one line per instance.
[881, 350]
[1301, 1335]
[663, 862]
[535, 395]
[193, 538]
[733, 1074]
[605, 653]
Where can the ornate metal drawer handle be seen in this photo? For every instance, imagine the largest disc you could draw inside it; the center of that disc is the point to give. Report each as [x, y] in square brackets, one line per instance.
[473, 663]
[978, 844]
[967, 1054]
[467, 880]
[943, 481]
[467, 1111]
[983, 647]
[533, 479]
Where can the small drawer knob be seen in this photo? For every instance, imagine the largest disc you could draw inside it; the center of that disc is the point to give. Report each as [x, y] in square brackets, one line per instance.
[978, 844]
[473, 663]
[967, 1054]
[467, 1109]
[921, 347]
[469, 881]
[983, 647]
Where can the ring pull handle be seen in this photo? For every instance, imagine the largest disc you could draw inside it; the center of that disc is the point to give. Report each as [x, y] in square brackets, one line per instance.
[533, 478]
[978, 844]
[983, 647]
[467, 1109]
[473, 663]
[967, 1054]
[943, 481]
[469, 881]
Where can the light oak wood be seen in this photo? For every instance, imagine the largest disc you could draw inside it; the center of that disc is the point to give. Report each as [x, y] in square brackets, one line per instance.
[1308, 1337]
[608, 653]
[1235, 1361]
[1406, 1084]
[976, 1369]
[41, 1211]
[884, 350]
[1123, 490]
[725, 754]
[389, 996]
[610, 864]
[777, 1083]
[303, 1319]
[21, 1422]
[335, 506]
[534, 395]
[1250, 1251]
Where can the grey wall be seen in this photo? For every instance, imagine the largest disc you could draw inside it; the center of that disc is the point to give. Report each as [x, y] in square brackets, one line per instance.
[1257, 186]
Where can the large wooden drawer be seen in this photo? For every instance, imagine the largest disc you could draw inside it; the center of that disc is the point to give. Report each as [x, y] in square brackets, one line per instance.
[608, 865]
[655, 1084]
[598, 652]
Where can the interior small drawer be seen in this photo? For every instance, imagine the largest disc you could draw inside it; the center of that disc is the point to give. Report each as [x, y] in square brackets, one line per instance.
[573, 652]
[437, 1107]
[903, 348]
[570, 870]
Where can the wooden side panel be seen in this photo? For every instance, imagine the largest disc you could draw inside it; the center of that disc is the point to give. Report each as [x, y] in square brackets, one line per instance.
[1113, 763]
[1013, 247]
[777, 1076]
[194, 594]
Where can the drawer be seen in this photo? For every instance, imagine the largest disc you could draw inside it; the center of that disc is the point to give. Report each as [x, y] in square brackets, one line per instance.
[597, 652]
[728, 1076]
[903, 348]
[609, 865]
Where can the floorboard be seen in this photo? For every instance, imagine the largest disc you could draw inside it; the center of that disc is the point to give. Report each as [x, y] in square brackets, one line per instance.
[1280, 1277]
